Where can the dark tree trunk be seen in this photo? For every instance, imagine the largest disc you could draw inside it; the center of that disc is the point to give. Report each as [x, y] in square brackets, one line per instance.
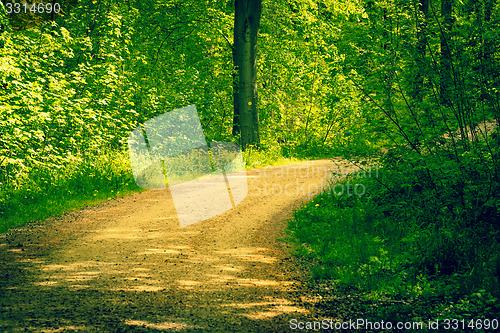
[422, 13]
[446, 61]
[236, 88]
[488, 48]
[246, 26]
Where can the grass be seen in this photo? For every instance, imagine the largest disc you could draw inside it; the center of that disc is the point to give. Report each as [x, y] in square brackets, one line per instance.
[80, 183]
[271, 156]
[403, 254]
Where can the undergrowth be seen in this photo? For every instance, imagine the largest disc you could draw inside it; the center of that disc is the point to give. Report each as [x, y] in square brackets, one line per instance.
[430, 244]
[51, 192]
[272, 155]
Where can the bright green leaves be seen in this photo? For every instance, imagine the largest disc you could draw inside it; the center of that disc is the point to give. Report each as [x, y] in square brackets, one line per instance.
[52, 104]
[300, 76]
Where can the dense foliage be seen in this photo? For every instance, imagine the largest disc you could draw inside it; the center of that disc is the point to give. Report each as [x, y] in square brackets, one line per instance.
[410, 86]
[80, 83]
[76, 83]
[428, 227]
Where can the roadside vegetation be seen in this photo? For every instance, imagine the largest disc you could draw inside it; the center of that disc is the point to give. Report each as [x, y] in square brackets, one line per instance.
[75, 83]
[403, 249]
[410, 88]
[422, 240]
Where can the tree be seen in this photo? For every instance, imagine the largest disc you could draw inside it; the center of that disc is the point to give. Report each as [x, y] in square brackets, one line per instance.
[420, 47]
[246, 26]
[446, 60]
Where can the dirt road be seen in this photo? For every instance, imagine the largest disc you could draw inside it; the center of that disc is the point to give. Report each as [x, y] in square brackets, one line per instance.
[126, 265]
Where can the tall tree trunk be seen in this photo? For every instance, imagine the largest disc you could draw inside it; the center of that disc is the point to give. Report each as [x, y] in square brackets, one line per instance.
[236, 88]
[388, 75]
[489, 74]
[446, 61]
[487, 48]
[246, 26]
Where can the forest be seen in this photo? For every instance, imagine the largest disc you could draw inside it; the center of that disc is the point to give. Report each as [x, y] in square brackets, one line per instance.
[409, 87]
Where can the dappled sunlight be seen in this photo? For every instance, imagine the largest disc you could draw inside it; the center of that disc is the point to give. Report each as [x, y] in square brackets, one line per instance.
[259, 283]
[142, 275]
[242, 250]
[175, 326]
[128, 260]
[56, 330]
[78, 286]
[228, 268]
[216, 278]
[60, 267]
[141, 269]
[137, 266]
[89, 273]
[248, 305]
[249, 254]
[74, 266]
[260, 315]
[258, 258]
[189, 283]
[119, 233]
[80, 278]
[143, 278]
[274, 307]
[45, 283]
[32, 261]
[149, 268]
[145, 288]
[159, 251]
[76, 273]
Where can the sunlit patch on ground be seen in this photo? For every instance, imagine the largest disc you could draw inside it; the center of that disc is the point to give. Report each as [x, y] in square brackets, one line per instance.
[45, 283]
[229, 268]
[188, 283]
[225, 271]
[275, 307]
[175, 326]
[33, 261]
[119, 233]
[60, 329]
[159, 251]
[249, 254]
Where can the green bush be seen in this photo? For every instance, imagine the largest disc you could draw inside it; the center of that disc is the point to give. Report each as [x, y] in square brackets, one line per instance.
[415, 232]
[80, 182]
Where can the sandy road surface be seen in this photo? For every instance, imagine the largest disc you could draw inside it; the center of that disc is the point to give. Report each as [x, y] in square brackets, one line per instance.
[127, 266]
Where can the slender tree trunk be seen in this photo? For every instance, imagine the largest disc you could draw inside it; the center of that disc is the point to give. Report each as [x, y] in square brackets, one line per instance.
[487, 48]
[487, 59]
[446, 61]
[421, 19]
[52, 13]
[389, 74]
[246, 26]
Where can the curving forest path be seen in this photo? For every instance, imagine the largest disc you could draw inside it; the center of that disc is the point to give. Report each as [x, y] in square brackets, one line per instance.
[126, 266]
